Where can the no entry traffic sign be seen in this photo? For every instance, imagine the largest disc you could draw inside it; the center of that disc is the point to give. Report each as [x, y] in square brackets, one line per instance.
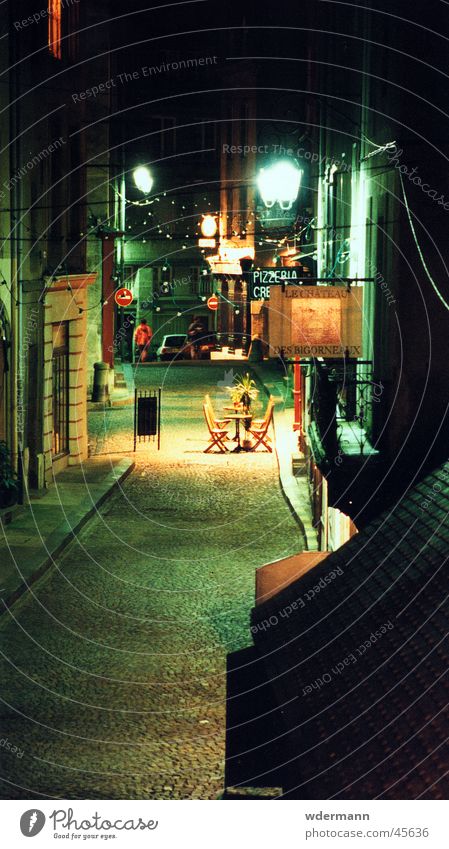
[212, 302]
[123, 297]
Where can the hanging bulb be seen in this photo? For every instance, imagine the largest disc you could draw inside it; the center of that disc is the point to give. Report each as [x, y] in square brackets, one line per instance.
[158, 309]
[179, 314]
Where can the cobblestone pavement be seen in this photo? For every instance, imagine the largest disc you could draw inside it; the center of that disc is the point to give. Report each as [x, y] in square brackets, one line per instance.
[113, 669]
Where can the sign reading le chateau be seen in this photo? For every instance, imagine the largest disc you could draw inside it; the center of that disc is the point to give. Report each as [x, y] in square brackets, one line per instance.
[316, 321]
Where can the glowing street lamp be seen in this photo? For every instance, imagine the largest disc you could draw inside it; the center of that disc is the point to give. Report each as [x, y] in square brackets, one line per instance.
[208, 226]
[279, 184]
[143, 179]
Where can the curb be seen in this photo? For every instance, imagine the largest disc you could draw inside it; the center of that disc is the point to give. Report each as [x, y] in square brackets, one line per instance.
[59, 539]
[287, 480]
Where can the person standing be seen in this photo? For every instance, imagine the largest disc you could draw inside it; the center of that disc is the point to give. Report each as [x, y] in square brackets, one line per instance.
[194, 333]
[143, 335]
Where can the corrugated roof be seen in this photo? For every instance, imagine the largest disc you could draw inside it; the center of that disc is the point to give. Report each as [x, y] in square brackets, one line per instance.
[360, 642]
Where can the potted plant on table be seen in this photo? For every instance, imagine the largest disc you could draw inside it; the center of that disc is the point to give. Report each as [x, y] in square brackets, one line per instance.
[8, 479]
[243, 392]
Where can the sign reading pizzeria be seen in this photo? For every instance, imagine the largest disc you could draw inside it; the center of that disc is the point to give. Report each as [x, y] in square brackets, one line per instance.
[277, 276]
[316, 321]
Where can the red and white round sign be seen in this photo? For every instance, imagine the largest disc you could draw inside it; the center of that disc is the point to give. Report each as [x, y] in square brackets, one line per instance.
[212, 302]
[123, 297]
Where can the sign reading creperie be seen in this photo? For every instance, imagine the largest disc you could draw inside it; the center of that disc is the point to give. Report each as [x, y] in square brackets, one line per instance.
[316, 321]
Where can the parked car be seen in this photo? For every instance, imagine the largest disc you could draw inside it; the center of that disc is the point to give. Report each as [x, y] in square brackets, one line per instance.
[172, 347]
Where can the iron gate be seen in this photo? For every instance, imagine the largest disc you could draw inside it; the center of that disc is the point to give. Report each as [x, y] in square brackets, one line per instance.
[147, 416]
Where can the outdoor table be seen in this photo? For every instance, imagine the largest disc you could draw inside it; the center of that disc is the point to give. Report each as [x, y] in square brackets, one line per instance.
[234, 409]
[238, 417]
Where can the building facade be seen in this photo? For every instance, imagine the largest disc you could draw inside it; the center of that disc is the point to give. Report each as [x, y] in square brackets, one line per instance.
[51, 200]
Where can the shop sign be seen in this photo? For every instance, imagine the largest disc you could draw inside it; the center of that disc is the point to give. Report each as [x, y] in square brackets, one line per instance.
[316, 321]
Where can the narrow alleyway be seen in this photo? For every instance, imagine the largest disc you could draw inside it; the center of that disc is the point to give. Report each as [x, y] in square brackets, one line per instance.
[113, 670]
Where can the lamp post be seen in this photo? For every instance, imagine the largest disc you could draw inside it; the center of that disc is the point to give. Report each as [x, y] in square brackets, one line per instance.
[280, 184]
[143, 181]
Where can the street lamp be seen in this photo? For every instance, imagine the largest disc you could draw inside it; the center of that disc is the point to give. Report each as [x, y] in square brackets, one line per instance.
[279, 183]
[143, 179]
[208, 226]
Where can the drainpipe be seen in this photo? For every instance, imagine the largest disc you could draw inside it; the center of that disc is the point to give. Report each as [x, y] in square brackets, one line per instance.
[108, 237]
[16, 418]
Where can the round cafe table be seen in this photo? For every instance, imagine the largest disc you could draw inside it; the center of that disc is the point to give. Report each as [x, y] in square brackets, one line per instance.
[237, 418]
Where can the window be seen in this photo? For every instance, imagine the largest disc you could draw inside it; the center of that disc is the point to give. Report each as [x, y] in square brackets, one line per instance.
[55, 28]
[60, 360]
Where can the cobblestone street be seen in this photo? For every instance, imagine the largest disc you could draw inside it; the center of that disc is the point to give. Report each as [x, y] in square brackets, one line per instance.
[113, 672]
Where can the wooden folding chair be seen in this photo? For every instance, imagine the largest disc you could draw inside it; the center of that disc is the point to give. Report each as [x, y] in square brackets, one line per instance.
[270, 407]
[259, 429]
[218, 423]
[217, 435]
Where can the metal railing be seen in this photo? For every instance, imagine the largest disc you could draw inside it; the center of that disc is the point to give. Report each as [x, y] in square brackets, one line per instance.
[341, 407]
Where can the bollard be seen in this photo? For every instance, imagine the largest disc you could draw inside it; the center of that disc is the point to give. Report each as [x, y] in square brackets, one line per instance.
[100, 390]
[256, 350]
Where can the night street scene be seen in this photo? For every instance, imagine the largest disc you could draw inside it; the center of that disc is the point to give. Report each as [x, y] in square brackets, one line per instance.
[224, 429]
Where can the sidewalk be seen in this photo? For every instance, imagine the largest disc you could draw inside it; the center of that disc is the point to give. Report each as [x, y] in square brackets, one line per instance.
[294, 487]
[44, 526]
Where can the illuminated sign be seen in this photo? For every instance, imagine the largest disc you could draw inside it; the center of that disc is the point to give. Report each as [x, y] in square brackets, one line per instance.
[278, 276]
[258, 292]
[316, 321]
[206, 243]
[259, 281]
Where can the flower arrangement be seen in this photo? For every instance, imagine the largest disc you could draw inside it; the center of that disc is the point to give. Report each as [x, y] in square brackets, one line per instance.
[243, 391]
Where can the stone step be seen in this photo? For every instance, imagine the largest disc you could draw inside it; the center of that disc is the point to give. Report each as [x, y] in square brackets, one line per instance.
[252, 793]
